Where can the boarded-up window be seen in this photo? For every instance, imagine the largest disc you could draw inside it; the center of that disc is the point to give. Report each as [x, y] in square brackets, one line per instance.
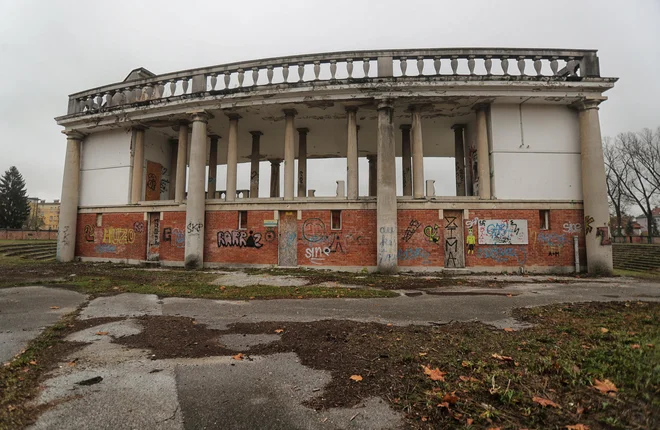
[335, 220]
[544, 216]
[242, 220]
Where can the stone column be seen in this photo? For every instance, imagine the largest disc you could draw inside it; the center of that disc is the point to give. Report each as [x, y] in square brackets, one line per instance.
[66, 239]
[213, 167]
[352, 179]
[232, 157]
[138, 165]
[373, 173]
[275, 178]
[459, 154]
[406, 160]
[289, 153]
[594, 191]
[386, 207]
[302, 162]
[196, 205]
[254, 164]
[181, 163]
[173, 163]
[483, 158]
[417, 154]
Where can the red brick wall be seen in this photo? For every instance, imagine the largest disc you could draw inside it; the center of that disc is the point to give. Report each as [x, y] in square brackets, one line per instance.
[234, 245]
[552, 247]
[353, 245]
[121, 235]
[420, 249]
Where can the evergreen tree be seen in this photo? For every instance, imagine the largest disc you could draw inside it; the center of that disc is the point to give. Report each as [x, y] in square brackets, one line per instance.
[14, 206]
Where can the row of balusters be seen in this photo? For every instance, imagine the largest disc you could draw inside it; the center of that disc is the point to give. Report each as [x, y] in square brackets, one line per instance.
[181, 86]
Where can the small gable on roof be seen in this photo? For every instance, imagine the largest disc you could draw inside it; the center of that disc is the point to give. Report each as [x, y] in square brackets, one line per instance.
[139, 73]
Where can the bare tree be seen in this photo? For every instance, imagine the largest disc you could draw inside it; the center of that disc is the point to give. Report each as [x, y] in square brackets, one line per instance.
[638, 182]
[615, 174]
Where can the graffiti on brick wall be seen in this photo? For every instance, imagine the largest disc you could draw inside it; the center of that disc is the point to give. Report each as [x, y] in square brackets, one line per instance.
[89, 233]
[317, 254]
[167, 234]
[503, 232]
[118, 236]
[411, 230]
[471, 241]
[239, 238]
[269, 235]
[503, 254]
[314, 230]
[604, 234]
[552, 243]
[451, 241]
[352, 239]
[472, 223]
[572, 228]
[432, 232]
[138, 226]
[407, 254]
[178, 238]
[105, 248]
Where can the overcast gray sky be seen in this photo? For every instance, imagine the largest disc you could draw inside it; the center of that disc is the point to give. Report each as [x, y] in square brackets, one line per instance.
[51, 48]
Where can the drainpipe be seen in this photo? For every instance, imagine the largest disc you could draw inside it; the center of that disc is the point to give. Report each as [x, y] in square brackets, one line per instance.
[577, 255]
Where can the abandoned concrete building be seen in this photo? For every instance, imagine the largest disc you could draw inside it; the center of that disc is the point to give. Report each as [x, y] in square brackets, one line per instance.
[141, 178]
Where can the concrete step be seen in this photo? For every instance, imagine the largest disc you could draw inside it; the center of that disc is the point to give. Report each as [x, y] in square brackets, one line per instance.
[12, 248]
[17, 253]
[40, 254]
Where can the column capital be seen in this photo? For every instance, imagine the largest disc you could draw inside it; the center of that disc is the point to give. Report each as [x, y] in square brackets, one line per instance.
[215, 137]
[372, 157]
[351, 108]
[256, 133]
[139, 127]
[405, 126]
[290, 112]
[385, 104]
[458, 127]
[303, 130]
[202, 116]
[73, 134]
[480, 106]
[275, 160]
[586, 104]
[233, 116]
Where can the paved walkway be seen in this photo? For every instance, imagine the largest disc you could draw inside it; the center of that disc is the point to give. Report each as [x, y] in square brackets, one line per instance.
[217, 392]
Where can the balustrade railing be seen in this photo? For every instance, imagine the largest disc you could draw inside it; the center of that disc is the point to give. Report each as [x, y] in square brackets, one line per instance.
[484, 63]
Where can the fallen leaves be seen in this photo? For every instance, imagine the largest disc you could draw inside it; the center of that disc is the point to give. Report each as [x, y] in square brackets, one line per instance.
[356, 378]
[450, 398]
[635, 346]
[434, 374]
[54, 307]
[422, 354]
[604, 330]
[545, 402]
[605, 387]
[468, 379]
[509, 329]
[501, 357]
[238, 356]
[577, 427]
[279, 331]
[102, 333]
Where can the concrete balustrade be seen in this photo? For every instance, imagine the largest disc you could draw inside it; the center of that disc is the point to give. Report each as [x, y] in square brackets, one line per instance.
[505, 64]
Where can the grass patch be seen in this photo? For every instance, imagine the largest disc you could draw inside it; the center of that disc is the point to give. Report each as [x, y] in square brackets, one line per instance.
[492, 376]
[19, 379]
[635, 274]
[181, 285]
